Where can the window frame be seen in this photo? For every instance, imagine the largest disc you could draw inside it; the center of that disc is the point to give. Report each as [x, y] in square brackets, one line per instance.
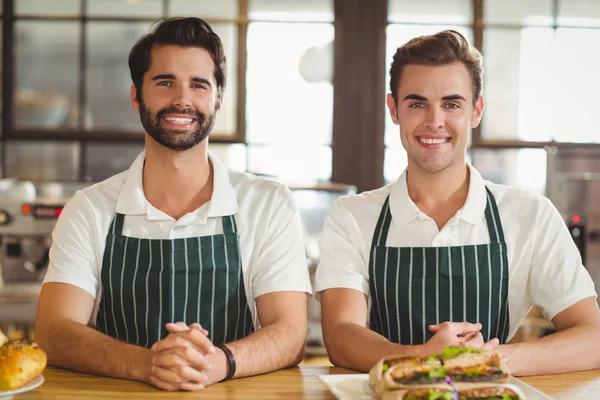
[478, 141]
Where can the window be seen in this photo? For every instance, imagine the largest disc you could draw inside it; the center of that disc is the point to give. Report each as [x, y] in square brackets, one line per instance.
[539, 66]
[71, 81]
[290, 99]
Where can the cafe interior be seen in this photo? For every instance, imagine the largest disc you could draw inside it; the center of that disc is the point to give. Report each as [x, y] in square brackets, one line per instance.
[304, 105]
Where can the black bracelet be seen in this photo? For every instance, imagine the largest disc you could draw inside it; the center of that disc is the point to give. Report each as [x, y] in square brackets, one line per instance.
[230, 359]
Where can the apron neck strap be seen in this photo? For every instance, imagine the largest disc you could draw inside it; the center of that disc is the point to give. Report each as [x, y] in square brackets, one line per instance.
[116, 226]
[383, 225]
[229, 225]
[492, 219]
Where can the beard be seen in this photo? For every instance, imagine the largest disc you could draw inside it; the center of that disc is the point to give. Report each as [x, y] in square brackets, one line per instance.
[176, 139]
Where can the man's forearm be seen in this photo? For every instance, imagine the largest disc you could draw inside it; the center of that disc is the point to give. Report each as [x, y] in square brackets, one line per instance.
[359, 348]
[573, 349]
[270, 348]
[74, 346]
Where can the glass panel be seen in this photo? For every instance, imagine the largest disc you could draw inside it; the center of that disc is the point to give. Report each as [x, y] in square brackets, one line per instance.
[524, 168]
[47, 70]
[397, 35]
[394, 163]
[109, 80]
[578, 86]
[519, 87]
[301, 74]
[226, 122]
[233, 155]
[127, 8]
[289, 163]
[579, 13]
[47, 8]
[291, 10]
[107, 76]
[204, 8]
[42, 160]
[430, 11]
[518, 12]
[104, 160]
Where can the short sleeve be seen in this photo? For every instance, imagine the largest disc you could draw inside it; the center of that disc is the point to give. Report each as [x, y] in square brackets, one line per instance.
[73, 259]
[557, 278]
[341, 264]
[281, 262]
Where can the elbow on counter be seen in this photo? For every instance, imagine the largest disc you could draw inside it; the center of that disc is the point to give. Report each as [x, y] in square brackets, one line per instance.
[44, 339]
[332, 345]
[596, 349]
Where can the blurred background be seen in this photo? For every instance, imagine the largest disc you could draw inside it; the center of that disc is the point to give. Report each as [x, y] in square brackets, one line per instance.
[305, 104]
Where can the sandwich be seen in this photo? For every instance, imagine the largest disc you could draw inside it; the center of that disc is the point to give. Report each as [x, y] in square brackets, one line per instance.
[488, 391]
[463, 364]
[20, 361]
[414, 370]
[397, 372]
[440, 392]
[460, 392]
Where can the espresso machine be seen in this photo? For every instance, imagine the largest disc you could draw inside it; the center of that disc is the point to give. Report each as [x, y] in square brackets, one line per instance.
[28, 214]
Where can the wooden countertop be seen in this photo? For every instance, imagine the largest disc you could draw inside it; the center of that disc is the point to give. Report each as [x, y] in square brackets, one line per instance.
[294, 383]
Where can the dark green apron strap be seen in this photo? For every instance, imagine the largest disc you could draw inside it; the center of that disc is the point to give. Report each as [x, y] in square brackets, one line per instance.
[492, 219]
[229, 225]
[116, 226]
[383, 225]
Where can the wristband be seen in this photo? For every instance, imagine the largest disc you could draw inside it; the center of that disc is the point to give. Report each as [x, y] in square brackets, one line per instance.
[230, 360]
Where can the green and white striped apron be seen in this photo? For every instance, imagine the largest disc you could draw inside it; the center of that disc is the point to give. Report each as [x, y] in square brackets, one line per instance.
[414, 287]
[149, 282]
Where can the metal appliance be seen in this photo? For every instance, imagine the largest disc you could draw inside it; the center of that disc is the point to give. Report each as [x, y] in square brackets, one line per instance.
[573, 185]
[28, 214]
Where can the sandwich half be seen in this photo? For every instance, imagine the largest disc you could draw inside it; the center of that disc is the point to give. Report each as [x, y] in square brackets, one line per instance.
[489, 391]
[436, 392]
[463, 364]
[396, 372]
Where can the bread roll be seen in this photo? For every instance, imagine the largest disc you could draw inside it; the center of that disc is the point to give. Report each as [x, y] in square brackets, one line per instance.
[3, 339]
[20, 361]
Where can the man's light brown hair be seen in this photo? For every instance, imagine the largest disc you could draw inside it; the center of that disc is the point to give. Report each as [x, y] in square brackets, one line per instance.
[442, 48]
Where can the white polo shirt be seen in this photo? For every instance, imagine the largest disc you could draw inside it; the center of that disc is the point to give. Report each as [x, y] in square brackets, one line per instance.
[545, 266]
[271, 237]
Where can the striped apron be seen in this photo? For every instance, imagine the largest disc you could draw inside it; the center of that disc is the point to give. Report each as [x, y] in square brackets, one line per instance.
[149, 282]
[414, 287]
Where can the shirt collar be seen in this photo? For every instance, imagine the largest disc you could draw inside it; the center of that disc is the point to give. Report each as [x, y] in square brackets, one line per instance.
[474, 209]
[404, 210]
[132, 201]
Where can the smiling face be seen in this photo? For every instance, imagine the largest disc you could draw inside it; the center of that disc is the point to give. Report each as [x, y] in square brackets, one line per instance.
[435, 111]
[179, 100]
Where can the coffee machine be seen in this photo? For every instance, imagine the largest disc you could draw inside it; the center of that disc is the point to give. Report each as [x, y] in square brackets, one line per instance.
[28, 214]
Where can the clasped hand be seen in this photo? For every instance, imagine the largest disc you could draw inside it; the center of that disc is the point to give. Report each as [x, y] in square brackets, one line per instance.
[183, 360]
[461, 334]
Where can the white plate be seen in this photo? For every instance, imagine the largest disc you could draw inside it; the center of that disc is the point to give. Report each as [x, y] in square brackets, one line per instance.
[32, 384]
[356, 387]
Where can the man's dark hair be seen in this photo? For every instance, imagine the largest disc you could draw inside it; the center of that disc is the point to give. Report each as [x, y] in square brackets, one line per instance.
[184, 32]
[443, 48]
